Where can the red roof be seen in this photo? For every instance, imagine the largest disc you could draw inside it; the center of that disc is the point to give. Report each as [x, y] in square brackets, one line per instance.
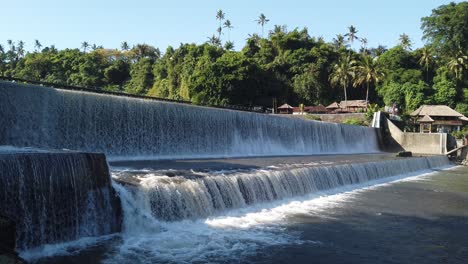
[312, 109]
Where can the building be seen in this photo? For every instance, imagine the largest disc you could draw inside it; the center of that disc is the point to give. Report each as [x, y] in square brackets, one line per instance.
[350, 106]
[285, 109]
[438, 118]
[319, 109]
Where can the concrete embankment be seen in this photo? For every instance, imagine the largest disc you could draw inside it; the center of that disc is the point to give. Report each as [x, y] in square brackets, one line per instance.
[51, 197]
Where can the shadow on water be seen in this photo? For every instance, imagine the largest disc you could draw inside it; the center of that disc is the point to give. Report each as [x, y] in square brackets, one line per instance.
[385, 238]
[423, 221]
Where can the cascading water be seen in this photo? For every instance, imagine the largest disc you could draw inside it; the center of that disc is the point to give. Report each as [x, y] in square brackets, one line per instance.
[130, 128]
[57, 197]
[176, 198]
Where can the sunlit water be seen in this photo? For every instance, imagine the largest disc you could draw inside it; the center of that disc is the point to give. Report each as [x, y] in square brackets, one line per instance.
[225, 236]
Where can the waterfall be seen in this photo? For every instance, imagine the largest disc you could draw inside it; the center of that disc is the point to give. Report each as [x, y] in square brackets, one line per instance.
[57, 197]
[176, 198]
[134, 128]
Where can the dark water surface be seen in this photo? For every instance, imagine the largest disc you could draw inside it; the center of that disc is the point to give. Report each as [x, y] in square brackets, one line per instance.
[421, 221]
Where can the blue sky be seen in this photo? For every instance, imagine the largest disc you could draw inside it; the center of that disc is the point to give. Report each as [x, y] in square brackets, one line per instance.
[161, 23]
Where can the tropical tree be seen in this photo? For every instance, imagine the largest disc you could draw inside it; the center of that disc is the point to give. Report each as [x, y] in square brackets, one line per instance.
[213, 40]
[405, 41]
[426, 59]
[220, 16]
[20, 50]
[352, 35]
[339, 41]
[368, 71]
[446, 28]
[343, 74]
[124, 46]
[229, 45]
[458, 65]
[228, 25]
[364, 46]
[84, 46]
[262, 20]
[37, 45]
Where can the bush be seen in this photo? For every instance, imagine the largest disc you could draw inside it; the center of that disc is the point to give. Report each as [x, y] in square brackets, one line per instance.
[312, 117]
[460, 134]
[354, 121]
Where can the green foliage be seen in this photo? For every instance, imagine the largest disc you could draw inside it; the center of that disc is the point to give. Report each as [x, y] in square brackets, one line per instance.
[283, 65]
[445, 92]
[447, 28]
[460, 134]
[312, 117]
[462, 108]
[354, 121]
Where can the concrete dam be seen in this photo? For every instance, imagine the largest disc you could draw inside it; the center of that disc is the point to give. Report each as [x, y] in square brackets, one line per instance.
[131, 128]
[163, 204]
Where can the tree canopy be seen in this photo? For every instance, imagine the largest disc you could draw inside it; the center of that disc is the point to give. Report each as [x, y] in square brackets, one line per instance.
[280, 64]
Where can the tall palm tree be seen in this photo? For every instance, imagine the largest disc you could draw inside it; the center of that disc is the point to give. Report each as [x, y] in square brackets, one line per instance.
[220, 16]
[37, 45]
[352, 36]
[405, 41]
[426, 59]
[262, 20]
[228, 25]
[20, 51]
[339, 41]
[364, 45]
[368, 71]
[85, 46]
[458, 65]
[343, 74]
[124, 46]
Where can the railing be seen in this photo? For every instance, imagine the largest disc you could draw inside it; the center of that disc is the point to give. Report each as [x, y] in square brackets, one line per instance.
[101, 91]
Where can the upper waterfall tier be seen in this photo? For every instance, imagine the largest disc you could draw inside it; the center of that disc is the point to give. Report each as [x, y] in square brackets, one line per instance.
[146, 129]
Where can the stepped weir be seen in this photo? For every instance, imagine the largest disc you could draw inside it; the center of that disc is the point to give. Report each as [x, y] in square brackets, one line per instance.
[54, 196]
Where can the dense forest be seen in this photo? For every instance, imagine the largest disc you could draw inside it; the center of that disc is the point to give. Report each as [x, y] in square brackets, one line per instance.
[287, 65]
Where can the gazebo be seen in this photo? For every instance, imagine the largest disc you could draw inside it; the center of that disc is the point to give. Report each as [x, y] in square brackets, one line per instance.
[285, 109]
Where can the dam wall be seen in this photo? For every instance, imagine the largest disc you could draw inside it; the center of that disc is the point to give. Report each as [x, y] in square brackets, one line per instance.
[176, 198]
[132, 128]
[420, 143]
[54, 197]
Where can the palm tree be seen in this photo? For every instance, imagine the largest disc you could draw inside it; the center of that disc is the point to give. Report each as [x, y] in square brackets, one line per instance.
[368, 71]
[220, 16]
[124, 46]
[458, 64]
[262, 20]
[20, 51]
[426, 59]
[339, 41]
[351, 36]
[405, 41]
[229, 45]
[85, 46]
[53, 49]
[364, 45]
[343, 74]
[228, 25]
[37, 45]
[213, 40]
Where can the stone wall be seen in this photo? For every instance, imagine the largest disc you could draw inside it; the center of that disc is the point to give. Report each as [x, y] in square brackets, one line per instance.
[337, 118]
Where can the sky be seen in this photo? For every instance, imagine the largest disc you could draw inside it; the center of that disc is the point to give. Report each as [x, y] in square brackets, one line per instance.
[66, 23]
